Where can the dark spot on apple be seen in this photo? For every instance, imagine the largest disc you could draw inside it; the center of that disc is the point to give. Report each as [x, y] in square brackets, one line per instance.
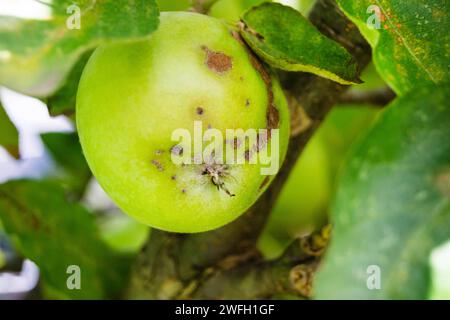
[159, 152]
[158, 165]
[174, 177]
[247, 102]
[217, 61]
[177, 150]
[200, 111]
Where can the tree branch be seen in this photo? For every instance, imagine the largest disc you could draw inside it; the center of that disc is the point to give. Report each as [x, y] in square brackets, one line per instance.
[377, 97]
[202, 6]
[174, 265]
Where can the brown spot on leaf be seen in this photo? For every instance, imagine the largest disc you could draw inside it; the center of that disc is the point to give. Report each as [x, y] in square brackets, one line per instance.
[31, 218]
[35, 223]
[217, 61]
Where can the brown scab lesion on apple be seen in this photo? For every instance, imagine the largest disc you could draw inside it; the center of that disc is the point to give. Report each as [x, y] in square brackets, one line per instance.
[158, 165]
[217, 174]
[217, 61]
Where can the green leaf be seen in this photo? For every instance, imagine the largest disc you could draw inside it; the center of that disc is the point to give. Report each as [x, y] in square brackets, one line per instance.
[56, 234]
[66, 151]
[37, 55]
[312, 179]
[2, 258]
[393, 203]
[63, 101]
[283, 38]
[411, 47]
[9, 137]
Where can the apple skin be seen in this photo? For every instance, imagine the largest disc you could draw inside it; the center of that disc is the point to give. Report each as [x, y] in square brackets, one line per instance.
[133, 95]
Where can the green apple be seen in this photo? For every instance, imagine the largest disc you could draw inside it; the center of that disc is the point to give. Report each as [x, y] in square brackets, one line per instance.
[133, 96]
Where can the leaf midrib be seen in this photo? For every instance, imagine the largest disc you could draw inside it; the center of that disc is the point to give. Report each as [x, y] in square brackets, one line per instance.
[406, 45]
